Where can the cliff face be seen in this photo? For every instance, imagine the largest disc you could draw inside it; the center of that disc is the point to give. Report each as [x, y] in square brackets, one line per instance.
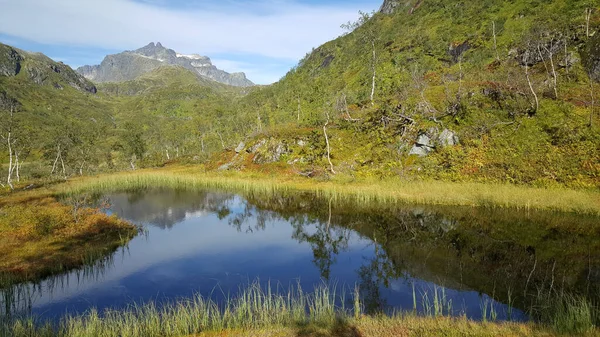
[389, 6]
[130, 65]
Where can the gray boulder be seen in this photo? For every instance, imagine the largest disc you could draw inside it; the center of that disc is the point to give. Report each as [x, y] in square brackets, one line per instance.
[420, 150]
[432, 139]
[240, 147]
[447, 138]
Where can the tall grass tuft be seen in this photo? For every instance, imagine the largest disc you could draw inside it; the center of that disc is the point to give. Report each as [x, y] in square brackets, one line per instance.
[569, 314]
[254, 307]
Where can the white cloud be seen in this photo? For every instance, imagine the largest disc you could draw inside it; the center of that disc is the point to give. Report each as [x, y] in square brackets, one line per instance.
[281, 29]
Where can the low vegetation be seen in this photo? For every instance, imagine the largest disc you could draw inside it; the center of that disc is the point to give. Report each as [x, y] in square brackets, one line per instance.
[40, 236]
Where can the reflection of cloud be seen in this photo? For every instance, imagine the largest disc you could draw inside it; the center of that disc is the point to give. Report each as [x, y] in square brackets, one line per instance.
[202, 237]
[165, 209]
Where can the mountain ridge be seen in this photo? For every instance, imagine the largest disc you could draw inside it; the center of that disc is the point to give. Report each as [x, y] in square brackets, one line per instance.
[41, 70]
[131, 64]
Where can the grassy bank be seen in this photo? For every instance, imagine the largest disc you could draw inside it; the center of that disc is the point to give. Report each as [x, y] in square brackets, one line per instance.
[344, 187]
[264, 311]
[40, 236]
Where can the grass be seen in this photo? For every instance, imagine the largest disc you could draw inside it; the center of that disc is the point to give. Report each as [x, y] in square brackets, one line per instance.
[393, 190]
[40, 236]
[265, 311]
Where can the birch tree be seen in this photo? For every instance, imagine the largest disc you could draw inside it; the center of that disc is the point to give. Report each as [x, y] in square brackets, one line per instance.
[9, 108]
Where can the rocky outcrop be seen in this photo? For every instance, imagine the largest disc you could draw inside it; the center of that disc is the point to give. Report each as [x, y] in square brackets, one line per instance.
[130, 65]
[268, 151]
[431, 139]
[10, 61]
[591, 57]
[389, 6]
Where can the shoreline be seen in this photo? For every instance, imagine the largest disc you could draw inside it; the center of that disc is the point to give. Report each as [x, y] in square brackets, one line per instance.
[431, 192]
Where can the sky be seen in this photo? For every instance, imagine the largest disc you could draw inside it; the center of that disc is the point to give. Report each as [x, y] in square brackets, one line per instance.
[263, 38]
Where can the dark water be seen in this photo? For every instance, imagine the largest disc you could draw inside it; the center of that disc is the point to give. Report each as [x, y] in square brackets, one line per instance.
[213, 242]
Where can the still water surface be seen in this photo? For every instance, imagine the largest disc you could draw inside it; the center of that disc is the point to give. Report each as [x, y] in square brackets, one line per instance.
[213, 243]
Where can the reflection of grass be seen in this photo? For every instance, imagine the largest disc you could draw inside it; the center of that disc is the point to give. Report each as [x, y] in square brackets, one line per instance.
[259, 311]
[40, 236]
[424, 192]
[568, 314]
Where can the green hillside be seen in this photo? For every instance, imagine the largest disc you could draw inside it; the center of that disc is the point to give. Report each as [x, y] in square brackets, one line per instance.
[493, 91]
[61, 120]
[509, 81]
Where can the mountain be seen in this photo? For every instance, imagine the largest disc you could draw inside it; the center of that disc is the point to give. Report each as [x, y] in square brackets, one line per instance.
[490, 91]
[129, 65]
[36, 68]
[54, 114]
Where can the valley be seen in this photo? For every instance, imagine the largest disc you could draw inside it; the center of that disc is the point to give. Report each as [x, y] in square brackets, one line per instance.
[458, 142]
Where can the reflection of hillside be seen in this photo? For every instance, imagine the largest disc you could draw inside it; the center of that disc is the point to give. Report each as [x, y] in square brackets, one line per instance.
[165, 208]
[489, 251]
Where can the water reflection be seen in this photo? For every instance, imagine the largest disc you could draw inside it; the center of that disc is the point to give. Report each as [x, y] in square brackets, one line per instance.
[397, 255]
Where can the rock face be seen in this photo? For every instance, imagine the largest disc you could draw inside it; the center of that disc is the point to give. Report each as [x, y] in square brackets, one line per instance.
[41, 70]
[432, 139]
[131, 64]
[592, 57]
[10, 61]
[389, 6]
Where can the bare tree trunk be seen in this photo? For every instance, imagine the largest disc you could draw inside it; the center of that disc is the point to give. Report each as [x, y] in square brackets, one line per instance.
[81, 168]
[167, 151]
[495, 42]
[10, 162]
[221, 137]
[588, 16]
[62, 163]
[374, 74]
[543, 60]
[177, 152]
[555, 77]
[537, 102]
[9, 141]
[132, 162]
[17, 164]
[55, 160]
[348, 111]
[328, 146]
[593, 105]
[329, 219]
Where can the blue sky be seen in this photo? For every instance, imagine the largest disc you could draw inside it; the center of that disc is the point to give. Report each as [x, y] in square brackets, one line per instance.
[263, 38]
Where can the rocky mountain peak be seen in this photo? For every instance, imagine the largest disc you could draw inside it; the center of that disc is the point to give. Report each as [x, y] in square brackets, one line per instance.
[131, 64]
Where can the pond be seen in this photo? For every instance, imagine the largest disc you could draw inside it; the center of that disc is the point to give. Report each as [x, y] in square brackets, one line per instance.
[492, 263]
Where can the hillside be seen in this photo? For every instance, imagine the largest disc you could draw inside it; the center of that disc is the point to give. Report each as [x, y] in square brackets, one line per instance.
[130, 65]
[61, 124]
[491, 91]
[454, 90]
